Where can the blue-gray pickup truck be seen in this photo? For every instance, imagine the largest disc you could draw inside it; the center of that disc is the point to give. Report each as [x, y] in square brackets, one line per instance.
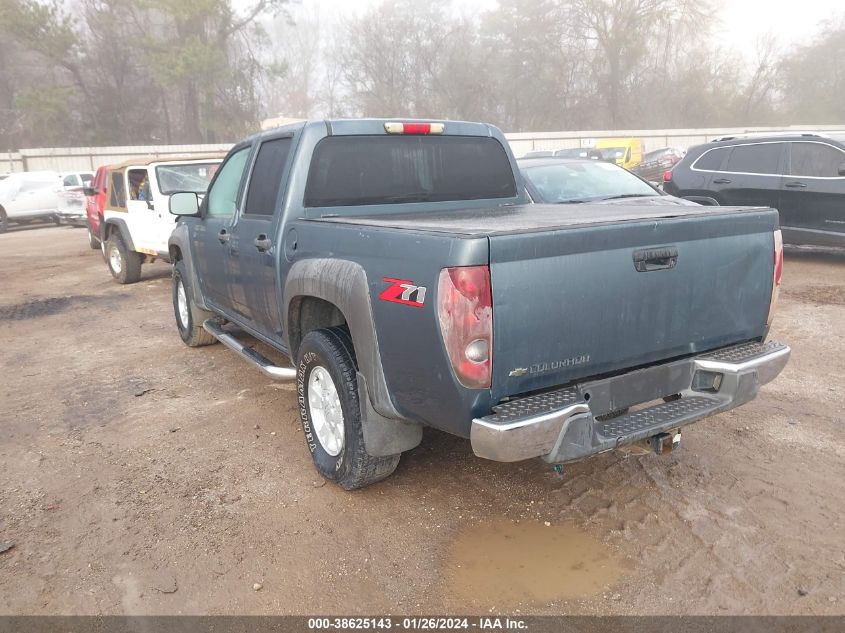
[401, 268]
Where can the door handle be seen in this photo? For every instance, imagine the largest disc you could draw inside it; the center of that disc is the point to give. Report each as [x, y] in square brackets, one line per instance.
[262, 243]
[721, 181]
[649, 259]
[796, 185]
[223, 236]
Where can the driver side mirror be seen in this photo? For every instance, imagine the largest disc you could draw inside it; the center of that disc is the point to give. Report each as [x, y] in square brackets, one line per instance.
[89, 191]
[185, 203]
[842, 169]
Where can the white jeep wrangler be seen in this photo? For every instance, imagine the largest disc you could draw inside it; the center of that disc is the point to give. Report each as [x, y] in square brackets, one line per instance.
[136, 220]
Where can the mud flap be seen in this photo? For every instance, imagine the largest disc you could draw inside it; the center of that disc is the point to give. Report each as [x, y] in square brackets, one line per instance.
[385, 436]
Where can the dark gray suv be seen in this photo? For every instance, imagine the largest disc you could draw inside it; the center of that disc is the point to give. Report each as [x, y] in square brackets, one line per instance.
[801, 175]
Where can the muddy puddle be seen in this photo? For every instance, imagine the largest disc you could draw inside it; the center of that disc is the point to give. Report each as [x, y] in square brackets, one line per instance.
[504, 563]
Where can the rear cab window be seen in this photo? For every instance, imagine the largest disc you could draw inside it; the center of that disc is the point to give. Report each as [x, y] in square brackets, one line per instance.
[374, 170]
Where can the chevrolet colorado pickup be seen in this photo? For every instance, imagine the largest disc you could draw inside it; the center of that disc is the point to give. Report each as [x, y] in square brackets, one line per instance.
[400, 267]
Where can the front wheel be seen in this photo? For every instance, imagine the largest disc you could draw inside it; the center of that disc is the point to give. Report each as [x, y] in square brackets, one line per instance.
[330, 412]
[124, 265]
[4, 221]
[189, 317]
[93, 242]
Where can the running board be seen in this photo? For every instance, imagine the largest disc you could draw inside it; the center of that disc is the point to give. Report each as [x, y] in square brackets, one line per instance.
[264, 364]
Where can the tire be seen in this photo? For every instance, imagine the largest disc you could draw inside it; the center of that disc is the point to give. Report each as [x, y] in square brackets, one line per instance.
[327, 373]
[124, 265]
[57, 220]
[4, 221]
[93, 242]
[189, 317]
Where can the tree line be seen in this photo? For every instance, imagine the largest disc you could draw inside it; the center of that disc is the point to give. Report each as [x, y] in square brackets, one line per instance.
[122, 72]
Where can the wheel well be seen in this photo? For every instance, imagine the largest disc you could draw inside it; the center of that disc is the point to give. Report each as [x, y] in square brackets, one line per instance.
[310, 313]
[175, 254]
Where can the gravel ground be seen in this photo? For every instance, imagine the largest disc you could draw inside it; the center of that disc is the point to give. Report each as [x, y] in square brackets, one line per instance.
[138, 476]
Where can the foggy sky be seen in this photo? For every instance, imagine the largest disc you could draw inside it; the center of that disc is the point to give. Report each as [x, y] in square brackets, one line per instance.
[743, 21]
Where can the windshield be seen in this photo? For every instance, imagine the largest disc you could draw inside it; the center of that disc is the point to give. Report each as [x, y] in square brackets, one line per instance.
[612, 153]
[189, 177]
[584, 182]
[365, 170]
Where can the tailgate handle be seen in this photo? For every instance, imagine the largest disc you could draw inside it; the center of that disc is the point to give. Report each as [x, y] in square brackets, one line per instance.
[649, 259]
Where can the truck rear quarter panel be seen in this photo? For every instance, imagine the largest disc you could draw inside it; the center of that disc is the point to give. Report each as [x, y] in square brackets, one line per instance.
[417, 371]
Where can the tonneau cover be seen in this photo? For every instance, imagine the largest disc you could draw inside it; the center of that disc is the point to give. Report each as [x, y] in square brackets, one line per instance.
[531, 217]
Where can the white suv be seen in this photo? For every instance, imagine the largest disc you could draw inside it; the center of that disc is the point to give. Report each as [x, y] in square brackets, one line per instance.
[29, 195]
[136, 217]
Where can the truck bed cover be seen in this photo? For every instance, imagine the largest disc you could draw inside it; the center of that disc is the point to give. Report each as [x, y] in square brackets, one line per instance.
[532, 217]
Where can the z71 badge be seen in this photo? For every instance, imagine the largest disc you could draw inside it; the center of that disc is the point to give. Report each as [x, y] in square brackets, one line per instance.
[404, 292]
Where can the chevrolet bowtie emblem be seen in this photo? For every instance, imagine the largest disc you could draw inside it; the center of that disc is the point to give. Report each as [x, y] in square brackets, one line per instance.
[519, 371]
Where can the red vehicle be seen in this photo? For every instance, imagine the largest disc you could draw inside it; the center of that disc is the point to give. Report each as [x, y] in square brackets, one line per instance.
[95, 195]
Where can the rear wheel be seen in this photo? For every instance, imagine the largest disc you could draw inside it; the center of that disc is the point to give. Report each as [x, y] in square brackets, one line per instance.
[189, 317]
[125, 265]
[330, 411]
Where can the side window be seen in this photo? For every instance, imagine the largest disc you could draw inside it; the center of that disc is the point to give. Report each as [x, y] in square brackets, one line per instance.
[70, 181]
[139, 185]
[222, 198]
[266, 179]
[760, 158]
[712, 159]
[815, 160]
[118, 191]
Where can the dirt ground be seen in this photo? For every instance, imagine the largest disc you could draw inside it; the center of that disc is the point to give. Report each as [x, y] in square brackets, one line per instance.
[138, 476]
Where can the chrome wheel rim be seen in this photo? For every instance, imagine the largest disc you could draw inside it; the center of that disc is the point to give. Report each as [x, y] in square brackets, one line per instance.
[182, 304]
[114, 260]
[326, 412]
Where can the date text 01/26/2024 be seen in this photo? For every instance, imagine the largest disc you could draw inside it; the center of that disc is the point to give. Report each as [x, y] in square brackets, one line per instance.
[417, 623]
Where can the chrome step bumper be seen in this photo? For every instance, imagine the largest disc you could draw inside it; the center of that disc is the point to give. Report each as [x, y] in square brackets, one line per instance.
[574, 422]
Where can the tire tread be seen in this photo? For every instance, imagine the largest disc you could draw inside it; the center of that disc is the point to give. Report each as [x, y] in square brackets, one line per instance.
[365, 469]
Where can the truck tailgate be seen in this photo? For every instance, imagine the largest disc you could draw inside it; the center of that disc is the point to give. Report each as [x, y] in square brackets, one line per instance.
[592, 299]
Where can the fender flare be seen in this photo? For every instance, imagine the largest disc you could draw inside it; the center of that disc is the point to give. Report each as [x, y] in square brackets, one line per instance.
[180, 238]
[344, 284]
[124, 231]
[707, 201]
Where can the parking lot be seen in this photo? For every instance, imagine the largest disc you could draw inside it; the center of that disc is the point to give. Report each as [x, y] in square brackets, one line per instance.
[138, 476]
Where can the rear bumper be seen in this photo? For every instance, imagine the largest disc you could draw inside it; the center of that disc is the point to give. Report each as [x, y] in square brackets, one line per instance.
[73, 218]
[574, 422]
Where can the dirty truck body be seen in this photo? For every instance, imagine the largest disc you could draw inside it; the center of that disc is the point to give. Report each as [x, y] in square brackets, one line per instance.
[533, 330]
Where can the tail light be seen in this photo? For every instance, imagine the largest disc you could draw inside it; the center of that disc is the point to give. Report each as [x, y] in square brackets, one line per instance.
[667, 175]
[413, 127]
[465, 311]
[776, 277]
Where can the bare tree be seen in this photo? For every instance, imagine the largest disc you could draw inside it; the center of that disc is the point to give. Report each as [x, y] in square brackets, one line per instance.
[624, 34]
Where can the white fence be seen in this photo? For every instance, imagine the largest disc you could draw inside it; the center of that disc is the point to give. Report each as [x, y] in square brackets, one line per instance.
[522, 143]
[89, 158]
